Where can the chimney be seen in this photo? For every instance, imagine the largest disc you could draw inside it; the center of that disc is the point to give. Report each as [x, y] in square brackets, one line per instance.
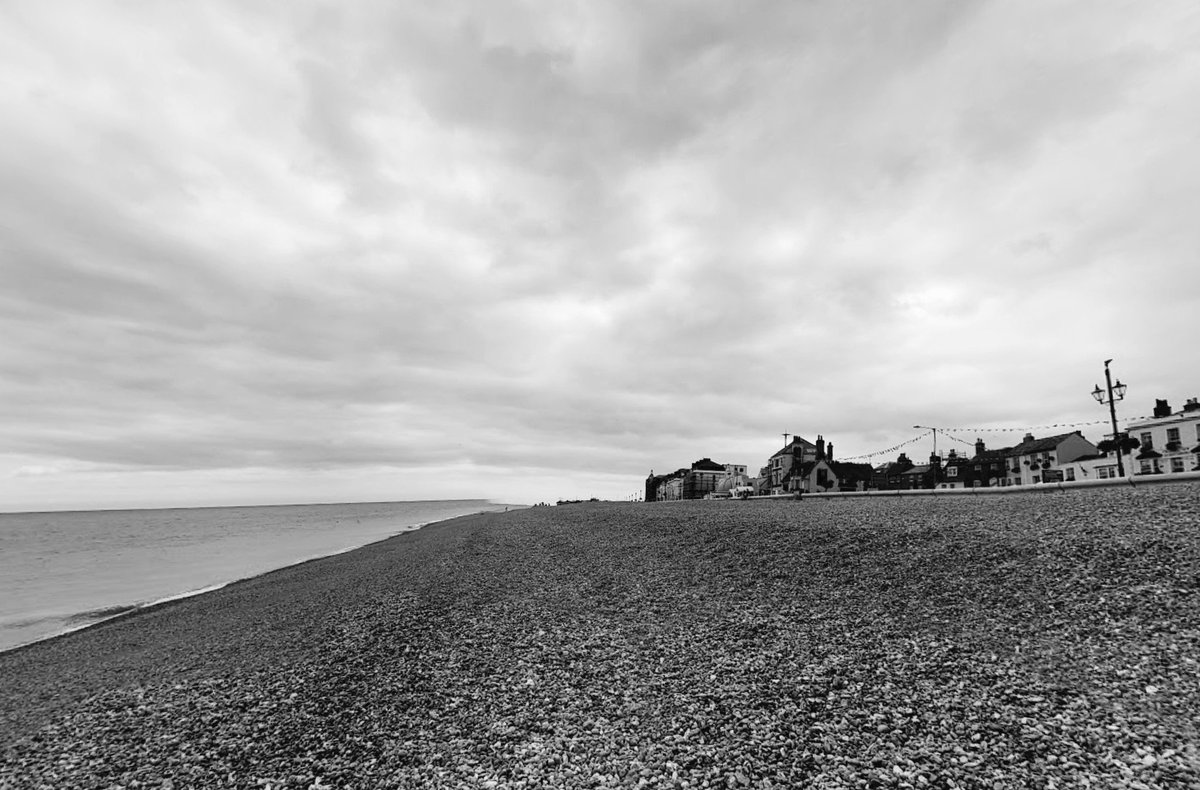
[820, 447]
[1191, 405]
[829, 452]
[1028, 438]
[934, 460]
[1161, 408]
[953, 454]
[980, 447]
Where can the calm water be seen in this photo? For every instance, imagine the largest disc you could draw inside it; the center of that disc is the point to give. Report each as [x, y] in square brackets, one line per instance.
[60, 571]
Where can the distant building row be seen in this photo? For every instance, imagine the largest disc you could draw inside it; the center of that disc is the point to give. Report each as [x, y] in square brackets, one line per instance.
[800, 466]
[1168, 442]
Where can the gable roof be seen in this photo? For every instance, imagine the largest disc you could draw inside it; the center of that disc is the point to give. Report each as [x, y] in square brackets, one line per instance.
[790, 447]
[846, 470]
[1041, 445]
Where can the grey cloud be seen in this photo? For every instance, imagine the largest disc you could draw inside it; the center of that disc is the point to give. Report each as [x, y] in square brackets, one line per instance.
[573, 239]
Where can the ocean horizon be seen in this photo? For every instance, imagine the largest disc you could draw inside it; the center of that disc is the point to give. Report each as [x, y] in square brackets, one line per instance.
[61, 571]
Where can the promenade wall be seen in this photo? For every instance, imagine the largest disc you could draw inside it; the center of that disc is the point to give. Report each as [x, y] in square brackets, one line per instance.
[1135, 481]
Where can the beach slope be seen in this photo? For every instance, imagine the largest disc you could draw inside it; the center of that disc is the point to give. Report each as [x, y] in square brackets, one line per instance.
[1031, 640]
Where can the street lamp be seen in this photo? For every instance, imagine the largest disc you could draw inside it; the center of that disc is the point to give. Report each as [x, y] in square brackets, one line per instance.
[1114, 394]
[933, 431]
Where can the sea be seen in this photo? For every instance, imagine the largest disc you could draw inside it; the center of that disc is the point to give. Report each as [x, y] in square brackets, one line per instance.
[62, 571]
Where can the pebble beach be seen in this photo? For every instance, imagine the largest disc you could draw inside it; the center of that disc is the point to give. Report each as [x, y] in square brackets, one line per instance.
[1043, 640]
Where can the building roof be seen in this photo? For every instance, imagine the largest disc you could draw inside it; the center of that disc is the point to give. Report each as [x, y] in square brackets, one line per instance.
[804, 470]
[732, 482]
[1041, 445]
[917, 470]
[992, 456]
[846, 470]
[790, 447]
[1189, 412]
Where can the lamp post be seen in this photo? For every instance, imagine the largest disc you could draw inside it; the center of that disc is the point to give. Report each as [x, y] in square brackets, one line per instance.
[1114, 394]
[933, 431]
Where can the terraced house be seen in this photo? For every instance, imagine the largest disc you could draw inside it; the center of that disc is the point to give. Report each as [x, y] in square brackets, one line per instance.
[1041, 460]
[986, 469]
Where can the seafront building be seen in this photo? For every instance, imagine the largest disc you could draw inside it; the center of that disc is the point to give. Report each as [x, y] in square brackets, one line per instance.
[776, 476]
[1036, 460]
[1168, 442]
[700, 480]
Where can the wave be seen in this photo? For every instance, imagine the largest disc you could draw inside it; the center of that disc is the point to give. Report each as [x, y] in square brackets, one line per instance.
[100, 614]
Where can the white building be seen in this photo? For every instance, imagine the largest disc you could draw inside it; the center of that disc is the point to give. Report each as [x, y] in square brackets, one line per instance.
[1029, 461]
[1170, 442]
[1092, 467]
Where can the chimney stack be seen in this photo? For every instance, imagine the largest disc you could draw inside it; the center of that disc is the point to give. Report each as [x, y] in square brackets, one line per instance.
[829, 452]
[980, 447]
[1161, 408]
[820, 447]
[1028, 437]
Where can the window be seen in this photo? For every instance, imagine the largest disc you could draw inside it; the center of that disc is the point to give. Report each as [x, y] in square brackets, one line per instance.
[952, 471]
[1172, 435]
[1105, 472]
[1146, 468]
[1198, 431]
[1147, 440]
[1177, 464]
[1069, 473]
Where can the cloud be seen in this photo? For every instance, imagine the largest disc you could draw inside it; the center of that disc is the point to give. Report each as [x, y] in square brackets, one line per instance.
[518, 243]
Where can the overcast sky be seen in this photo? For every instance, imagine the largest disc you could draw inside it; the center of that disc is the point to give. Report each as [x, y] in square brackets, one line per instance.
[295, 252]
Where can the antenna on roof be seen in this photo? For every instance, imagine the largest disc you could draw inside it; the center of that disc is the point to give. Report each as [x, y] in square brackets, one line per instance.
[785, 436]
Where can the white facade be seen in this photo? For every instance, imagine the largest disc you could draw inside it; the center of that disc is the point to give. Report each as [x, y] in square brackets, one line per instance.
[1090, 468]
[1175, 437]
[1027, 463]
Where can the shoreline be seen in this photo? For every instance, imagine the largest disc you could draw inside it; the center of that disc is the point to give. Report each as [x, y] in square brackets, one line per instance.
[121, 611]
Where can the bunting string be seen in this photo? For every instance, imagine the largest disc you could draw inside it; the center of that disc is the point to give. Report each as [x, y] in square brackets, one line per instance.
[1029, 428]
[888, 451]
[945, 432]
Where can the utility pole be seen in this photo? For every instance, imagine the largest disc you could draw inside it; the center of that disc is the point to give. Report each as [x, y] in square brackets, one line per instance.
[932, 431]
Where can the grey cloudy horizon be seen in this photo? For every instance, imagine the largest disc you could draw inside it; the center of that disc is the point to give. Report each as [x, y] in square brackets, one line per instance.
[301, 252]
